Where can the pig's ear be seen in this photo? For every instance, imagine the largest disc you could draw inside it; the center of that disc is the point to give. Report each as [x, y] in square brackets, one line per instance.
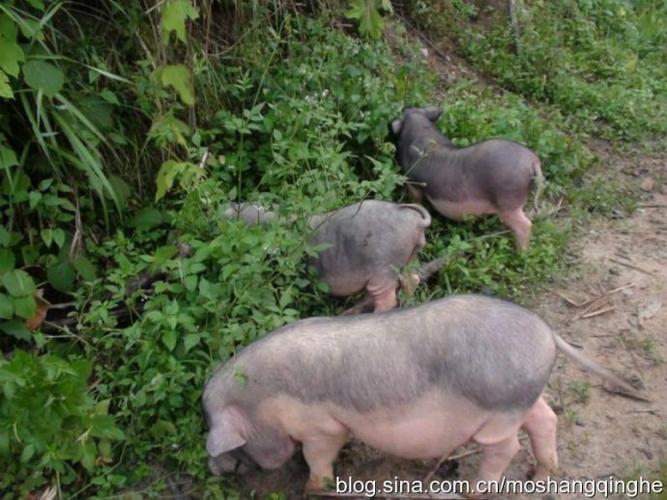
[396, 127]
[226, 432]
[433, 113]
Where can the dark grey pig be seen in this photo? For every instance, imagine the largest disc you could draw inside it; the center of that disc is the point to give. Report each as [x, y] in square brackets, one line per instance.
[491, 177]
[416, 383]
[368, 241]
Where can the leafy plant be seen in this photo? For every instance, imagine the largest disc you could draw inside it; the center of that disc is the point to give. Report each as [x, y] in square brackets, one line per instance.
[49, 423]
[367, 14]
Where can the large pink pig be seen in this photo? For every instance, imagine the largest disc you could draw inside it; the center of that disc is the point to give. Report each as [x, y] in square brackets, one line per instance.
[416, 383]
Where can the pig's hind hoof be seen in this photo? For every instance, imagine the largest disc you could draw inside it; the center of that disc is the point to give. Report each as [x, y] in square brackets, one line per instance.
[319, 487]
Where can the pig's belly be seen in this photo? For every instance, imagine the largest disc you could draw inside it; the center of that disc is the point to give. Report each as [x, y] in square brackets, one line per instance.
[344, 284]
[457, 210]
[430, 427]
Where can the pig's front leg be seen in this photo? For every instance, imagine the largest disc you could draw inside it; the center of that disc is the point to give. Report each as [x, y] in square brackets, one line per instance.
[496, 457]
[320, 453]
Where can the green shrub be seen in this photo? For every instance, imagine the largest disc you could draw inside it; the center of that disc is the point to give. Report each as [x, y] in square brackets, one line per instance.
[49, 422]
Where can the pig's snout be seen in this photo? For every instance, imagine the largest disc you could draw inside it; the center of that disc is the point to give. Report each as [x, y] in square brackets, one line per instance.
[237, 461]
[219, 465]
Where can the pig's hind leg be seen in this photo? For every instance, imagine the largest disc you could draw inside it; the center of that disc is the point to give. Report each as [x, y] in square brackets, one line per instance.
[416, 194]
[519, 224]
[383, 292]
[540, 424]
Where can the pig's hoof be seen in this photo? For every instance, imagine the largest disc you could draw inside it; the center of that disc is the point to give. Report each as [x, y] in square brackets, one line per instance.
[409, 282]
[543, 473]
[318, 486]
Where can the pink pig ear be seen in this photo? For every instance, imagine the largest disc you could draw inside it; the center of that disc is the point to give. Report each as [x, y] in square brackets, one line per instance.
[226, 432]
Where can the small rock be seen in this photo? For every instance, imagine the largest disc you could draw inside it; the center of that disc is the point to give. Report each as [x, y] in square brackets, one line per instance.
[424, 52]
[647, 185]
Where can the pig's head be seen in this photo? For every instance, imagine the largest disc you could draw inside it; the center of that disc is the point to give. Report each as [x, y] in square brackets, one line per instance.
[429, 114]
[235, 444]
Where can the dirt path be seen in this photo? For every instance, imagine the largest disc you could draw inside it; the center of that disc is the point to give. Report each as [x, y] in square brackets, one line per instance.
[602, 434]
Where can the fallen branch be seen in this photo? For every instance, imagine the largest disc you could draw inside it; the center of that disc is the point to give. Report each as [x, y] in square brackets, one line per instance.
[598, 312]
[653, 411]
[631, 266]
[594, 306]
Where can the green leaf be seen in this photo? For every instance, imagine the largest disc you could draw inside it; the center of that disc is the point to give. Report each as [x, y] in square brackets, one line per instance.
[170, 129]
[163, 428]
[174, 14]
[190, 340]
[37, 4]
[59, 237]
[169, 339]
[368, 16]
[178, 76]
[6, 306]
[31, 28]
[7, 260]
[7, 158]
[165, 177]
[16, 329]
[121, 188]
[5, 89]
[44, 76]
[8, 29]
[10, 56]
[89, 455]
[147, 218]
[85, 268]
[162, 255]
[47, 236]
[25, 307]
[34, 197]
[18, 283]
[27, 453]
[61, 275]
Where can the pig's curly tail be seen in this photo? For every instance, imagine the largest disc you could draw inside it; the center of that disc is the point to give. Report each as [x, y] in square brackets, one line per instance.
[426, 216]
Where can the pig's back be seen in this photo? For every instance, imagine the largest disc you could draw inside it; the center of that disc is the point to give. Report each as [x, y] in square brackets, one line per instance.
[492, 352]
[367, 241]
